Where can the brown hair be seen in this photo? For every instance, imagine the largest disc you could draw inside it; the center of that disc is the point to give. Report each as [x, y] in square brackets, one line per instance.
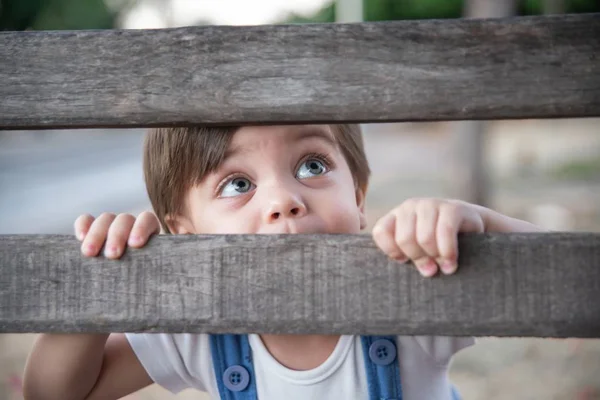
[175, 159]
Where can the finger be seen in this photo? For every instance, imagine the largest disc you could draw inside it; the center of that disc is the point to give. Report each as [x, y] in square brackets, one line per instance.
[82, 226]
[427, 216]
[406, 228]
[405, 235]
[453, 218]
[426, 266]
[94, 240]
[145, 226]
[383, 235]
[118, 233]
[447, 237]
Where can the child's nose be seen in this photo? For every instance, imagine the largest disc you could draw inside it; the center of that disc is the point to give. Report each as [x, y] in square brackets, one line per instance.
[284, 205]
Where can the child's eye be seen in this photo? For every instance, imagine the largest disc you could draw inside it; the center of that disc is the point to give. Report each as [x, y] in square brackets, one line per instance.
[311, 167]
[236, 187]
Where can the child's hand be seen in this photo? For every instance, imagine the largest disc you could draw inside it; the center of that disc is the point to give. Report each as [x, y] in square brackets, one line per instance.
[117, 231]
[426, 232]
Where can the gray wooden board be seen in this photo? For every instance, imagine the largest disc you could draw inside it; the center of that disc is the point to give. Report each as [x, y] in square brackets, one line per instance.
[526, 67]
[544, 285]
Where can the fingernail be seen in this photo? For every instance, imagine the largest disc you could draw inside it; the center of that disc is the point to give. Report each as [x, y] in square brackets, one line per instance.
[90, 248]
[448, 267]
[428, 270]
[135, 239]
[400, 258]
[82, 236]
[111, 251]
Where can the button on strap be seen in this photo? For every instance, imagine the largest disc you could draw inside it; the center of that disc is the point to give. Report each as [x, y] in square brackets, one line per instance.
[382, 352]
[236, 378]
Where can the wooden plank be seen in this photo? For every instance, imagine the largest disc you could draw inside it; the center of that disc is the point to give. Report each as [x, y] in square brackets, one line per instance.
[527, 67]
[507, 285]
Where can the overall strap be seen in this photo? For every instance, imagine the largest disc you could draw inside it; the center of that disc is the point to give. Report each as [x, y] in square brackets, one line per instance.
[455, 394]
[382, 368]
[232, 362]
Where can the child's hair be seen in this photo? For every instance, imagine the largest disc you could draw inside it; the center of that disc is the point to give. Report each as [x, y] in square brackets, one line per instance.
[175, 159]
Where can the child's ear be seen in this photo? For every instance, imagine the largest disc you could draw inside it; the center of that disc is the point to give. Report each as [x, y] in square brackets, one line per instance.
[360, 203]
[179, 225]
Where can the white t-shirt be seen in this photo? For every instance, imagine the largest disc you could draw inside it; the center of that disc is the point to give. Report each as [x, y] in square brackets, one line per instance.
[181, 361]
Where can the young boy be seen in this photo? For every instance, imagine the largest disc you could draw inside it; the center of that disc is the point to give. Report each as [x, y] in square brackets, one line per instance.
[264, 179]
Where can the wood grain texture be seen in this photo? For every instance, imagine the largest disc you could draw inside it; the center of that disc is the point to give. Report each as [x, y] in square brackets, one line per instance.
[527, 67]
[543, 285]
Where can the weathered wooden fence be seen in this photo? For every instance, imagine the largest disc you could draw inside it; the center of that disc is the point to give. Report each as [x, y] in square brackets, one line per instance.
[508, 284]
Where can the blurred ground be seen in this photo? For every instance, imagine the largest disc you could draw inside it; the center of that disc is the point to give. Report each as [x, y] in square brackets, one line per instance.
[48, 179]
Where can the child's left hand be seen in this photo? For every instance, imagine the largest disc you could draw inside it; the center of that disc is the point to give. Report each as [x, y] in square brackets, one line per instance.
[426, 231]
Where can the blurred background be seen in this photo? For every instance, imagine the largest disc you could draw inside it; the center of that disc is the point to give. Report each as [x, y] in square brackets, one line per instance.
[544, 171]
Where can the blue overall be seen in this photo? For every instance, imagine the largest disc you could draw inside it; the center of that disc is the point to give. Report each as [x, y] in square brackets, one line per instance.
[232, 362]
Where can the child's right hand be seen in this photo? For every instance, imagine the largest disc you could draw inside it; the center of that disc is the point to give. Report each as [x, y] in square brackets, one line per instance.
[117, 231]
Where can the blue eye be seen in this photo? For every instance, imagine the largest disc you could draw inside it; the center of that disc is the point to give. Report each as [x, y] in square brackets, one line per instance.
[311, 167]
[236, 187]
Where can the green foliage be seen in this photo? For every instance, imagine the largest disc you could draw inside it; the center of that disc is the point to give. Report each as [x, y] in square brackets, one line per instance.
[325, 14]
[382, 10]
[55, 14]
[534, 7]
[389, 10]
[585, 170]
[18, 15]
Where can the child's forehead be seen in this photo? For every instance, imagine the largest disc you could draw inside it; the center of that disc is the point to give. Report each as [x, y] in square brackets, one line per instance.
[247, 137]
[286, 131]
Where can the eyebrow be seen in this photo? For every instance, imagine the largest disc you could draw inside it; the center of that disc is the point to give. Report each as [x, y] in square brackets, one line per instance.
[297, 134]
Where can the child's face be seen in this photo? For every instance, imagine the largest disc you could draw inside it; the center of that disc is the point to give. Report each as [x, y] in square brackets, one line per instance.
[277, 179]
